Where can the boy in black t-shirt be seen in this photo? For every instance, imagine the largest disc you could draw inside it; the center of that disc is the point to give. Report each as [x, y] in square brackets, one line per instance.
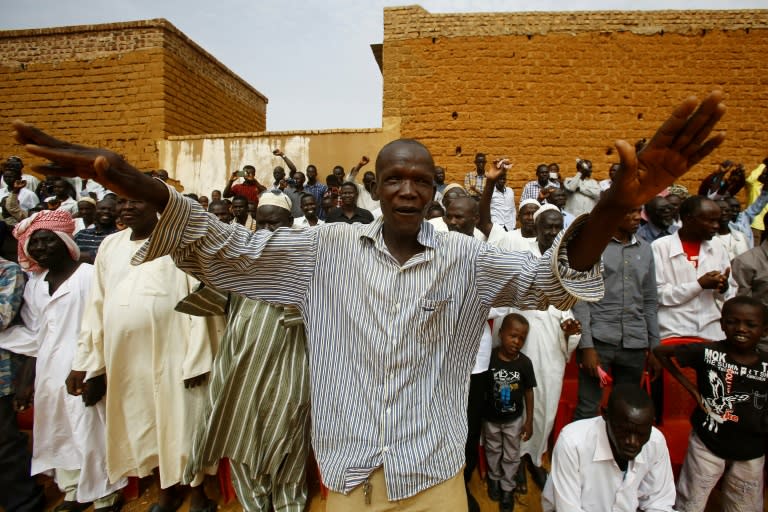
[510, 384]
[730, 423]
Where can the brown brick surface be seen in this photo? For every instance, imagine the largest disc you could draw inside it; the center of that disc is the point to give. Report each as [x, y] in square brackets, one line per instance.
[550, 87]
[121, 85]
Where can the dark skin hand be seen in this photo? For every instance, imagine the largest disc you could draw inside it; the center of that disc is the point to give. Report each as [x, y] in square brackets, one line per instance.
[95, 389]
[714, 280]
[681, 142]
[75, 382]
[25, 385]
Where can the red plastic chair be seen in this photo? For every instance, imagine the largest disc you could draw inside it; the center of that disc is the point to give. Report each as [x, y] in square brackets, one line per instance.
[676, 409]
[569, 396]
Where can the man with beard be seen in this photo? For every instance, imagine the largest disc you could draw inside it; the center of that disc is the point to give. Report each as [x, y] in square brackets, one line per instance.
[660, 223]
[618, 330]
[549, 346]
[692, 273]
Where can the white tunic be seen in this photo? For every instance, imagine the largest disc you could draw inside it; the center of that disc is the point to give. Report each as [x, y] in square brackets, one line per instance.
[131, 329]
[67, 434]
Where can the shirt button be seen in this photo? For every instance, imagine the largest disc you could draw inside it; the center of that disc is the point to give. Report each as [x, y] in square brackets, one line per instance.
[389, 411]
[385, 449]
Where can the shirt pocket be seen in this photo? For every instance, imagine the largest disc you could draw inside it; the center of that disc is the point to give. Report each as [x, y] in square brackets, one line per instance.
[434, 320]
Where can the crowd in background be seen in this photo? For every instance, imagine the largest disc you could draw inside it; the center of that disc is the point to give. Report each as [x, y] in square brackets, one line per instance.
[155, 372]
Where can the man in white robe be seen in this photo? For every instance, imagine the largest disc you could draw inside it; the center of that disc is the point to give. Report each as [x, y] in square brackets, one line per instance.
[68, 436]
[156, 360]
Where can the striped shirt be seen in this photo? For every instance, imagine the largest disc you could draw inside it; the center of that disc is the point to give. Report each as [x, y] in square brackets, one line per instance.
[532, 189]
[258, 398]
[390, 347]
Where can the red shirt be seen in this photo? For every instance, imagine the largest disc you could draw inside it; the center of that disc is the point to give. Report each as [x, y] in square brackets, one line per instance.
[251, 192]
[691, 250]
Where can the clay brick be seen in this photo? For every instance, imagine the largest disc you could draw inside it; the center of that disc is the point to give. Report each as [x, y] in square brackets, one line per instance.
[581, 81]
[111, 85]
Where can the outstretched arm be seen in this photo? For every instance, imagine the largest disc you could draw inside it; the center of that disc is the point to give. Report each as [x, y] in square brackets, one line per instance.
[288, 162]
[492, 175]
[101, 165]
[679, 144]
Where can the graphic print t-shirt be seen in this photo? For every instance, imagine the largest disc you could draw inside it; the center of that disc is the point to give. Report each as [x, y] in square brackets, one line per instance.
[735, 396]
[508, 381]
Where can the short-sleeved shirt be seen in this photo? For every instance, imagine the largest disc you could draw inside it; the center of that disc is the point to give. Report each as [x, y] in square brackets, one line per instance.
[507, 383]
[251, 192]
[736, 395]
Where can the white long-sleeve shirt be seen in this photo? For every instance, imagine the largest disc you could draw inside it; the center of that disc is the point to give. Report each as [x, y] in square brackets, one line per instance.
[685, 308]
[586, 478]
[583, 194]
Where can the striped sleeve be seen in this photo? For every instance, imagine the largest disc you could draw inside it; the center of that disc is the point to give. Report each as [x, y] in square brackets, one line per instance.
[274, 267]
[525, 281]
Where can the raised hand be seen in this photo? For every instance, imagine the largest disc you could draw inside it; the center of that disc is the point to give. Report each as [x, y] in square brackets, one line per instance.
[101, 165]
[679, 144]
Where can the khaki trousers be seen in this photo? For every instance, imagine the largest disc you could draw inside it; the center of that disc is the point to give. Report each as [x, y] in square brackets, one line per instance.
[448, 496]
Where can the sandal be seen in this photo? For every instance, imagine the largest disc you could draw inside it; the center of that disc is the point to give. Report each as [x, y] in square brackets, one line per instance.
[71, 506]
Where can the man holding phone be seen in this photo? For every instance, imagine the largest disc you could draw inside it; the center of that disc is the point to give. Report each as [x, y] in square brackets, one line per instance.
[249, 188]
[540, 188]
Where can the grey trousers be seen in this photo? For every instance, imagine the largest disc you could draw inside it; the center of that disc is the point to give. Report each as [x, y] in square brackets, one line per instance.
[624, 365]
[502, 449]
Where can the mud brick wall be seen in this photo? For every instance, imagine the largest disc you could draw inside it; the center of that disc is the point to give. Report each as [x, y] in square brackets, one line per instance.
[550, 87]
[123, 85]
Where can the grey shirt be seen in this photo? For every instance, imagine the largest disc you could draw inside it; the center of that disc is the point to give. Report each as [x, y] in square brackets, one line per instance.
[627, 314]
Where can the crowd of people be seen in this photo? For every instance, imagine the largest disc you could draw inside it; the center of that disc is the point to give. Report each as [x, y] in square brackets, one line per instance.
[158, 333]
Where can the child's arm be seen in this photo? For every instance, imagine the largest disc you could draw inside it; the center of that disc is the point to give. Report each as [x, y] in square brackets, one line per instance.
[664, 354]
[528, 425]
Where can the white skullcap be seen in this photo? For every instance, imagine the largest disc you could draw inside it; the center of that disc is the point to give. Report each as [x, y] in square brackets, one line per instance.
[450, 186]
[272, 199]
[526, 202]
[545, 208]
[87, 199]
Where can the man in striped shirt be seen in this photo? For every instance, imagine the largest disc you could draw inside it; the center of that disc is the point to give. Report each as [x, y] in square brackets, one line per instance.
[257, 413]
[389, 394]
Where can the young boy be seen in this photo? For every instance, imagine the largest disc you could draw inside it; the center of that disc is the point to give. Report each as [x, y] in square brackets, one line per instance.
[511, 382]
[730, 423]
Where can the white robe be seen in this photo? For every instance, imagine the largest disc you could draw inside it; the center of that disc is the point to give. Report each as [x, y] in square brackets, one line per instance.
[67, 434]
[131, 329]
[549, 351]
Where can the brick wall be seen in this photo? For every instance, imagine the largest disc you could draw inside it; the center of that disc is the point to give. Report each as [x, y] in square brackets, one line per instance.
[550, 87]
[123, 86]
